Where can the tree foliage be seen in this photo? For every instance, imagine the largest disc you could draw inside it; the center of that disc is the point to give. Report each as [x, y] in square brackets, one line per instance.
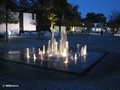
[59, 12]
[4, 10]
[95, 18]
[73, 18]
[114, 19]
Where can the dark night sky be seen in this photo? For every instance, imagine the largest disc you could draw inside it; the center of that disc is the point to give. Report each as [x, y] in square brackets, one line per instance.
[97, 6]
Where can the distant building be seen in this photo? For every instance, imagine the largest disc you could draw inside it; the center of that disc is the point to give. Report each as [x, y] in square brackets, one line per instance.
[96, 27]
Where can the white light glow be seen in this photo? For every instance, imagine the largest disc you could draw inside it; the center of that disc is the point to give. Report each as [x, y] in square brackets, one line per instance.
[34, 56]
[43, 49]
[73, 29]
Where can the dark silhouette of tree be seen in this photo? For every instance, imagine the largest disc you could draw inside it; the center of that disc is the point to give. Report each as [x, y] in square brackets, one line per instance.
[100, 18]
[12, 16]
[74, 17]
[90, 18]
[95, 18]
[114, 20]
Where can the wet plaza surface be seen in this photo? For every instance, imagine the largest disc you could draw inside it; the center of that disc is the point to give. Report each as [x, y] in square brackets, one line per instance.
[79, 65]
[105, 75]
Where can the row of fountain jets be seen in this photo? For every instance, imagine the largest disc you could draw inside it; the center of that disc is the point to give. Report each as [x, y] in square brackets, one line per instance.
[59, 50]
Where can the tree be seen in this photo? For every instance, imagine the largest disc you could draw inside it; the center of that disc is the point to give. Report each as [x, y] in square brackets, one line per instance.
[73, 16]
[114, 20]
[76, 17]
[46, 14]
[99, 17]
[95, 18]
[6, 16]
[58, 12]
[12, 16]
[53, 10]
[90, 19]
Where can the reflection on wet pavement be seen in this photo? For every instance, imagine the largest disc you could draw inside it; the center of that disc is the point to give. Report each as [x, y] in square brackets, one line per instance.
[78, 65]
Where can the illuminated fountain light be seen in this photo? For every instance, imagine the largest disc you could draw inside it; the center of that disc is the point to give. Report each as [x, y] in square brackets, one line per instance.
[27, 53]
[41, 54]
[27, 49]
[78, 48]
[49, 49]
[43, 49]
[28, 56]
[62, 48]
[56, 47]
[39, 50]
[83, 51]
[64, 53]
[34, 57]
[66, 60]
[75, 59]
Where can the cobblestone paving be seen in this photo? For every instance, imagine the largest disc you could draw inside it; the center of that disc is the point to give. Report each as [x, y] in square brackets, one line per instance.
[104, 76]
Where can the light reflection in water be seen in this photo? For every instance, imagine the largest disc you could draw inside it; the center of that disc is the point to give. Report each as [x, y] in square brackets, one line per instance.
[72, 61]
[36, 54]
[38, 58]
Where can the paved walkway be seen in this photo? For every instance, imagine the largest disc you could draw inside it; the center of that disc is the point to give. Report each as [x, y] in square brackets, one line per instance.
[104, 76]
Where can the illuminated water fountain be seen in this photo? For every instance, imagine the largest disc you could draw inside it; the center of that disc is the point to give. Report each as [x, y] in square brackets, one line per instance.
[58, 51]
